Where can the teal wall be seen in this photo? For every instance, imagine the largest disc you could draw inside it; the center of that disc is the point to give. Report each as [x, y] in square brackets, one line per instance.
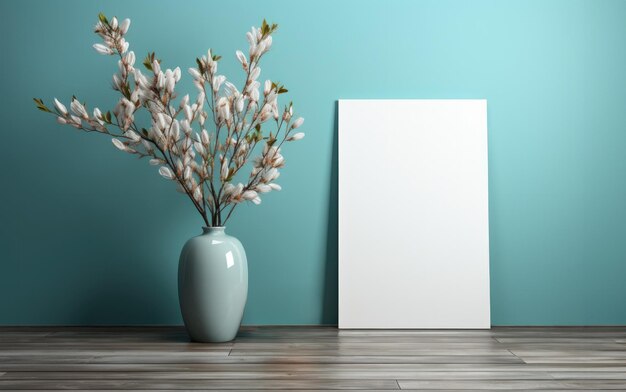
[91, 236]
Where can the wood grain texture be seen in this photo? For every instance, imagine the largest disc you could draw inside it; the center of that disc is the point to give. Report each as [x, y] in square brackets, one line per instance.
[314, 358]
[152, 384]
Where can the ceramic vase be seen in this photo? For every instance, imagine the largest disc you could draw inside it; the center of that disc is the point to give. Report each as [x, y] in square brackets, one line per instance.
[212, 285]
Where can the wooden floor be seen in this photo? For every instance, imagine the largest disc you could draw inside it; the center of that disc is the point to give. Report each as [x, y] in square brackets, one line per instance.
[314, 358]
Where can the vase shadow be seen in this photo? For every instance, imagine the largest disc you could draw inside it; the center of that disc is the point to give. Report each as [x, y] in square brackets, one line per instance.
[127, 284]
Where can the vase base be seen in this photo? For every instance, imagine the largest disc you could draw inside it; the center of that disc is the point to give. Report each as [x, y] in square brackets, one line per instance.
[212, 340]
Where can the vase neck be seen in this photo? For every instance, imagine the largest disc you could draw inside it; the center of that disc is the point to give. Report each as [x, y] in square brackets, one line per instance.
[213, 230]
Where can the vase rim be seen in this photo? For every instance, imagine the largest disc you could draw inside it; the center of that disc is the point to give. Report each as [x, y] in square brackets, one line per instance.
[213, 229]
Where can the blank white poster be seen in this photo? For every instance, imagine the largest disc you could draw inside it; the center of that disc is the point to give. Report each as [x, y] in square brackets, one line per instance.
[413, 214]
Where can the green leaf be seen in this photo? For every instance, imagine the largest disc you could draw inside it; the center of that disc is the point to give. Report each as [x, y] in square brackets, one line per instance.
[231, 173]
[265, 29]
[216, 57]
[200, 67]
[126, 91]
[41, 106]
[147, 62]
[271, 140]
[103, 18]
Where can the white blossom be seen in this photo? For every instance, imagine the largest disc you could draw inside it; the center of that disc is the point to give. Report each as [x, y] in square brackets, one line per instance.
[102, 49]
[254, 95]
[175, 129]
[224, 170]
[78, 109]
[297, 123]
[296, 136]
[242, 59]
[117, 143]
[124, 26]
[249, 194]
[184, 101]
[230, 89]
[130, 58]
[223, 109]
[200, 156]
[199, 148]
[60, 107]
[263, 188]
[132, 135]
[188, 113]
[217, 82]
[97, 114]
[197, 193]
[239, 104]
[204, 137]
[195, 74]
[255, 73]
[267, 87]
[156, 67]
[166, 172]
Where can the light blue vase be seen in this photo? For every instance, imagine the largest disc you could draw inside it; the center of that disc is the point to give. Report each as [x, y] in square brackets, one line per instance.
[212, 285]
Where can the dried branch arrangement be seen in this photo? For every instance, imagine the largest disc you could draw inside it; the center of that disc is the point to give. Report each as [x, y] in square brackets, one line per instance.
[201, 155]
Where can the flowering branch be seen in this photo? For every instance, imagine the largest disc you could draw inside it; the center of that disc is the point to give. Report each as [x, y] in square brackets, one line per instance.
[203, 163]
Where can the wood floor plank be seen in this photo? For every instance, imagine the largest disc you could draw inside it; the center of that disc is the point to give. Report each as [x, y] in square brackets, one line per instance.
[587, 375]
[556, 340]
[325, 390]
[573, 356]
[99, 351]
[548, 352]
[372, 339]
[106, 383]
[513, 385]
[298, 390]
[260, 374]
[566, 360]
[369, 351]
[569, 347]
[314, 358]
[303, 366]
[248, 390]
[457, 346]
[126, 358]
[171, 346]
